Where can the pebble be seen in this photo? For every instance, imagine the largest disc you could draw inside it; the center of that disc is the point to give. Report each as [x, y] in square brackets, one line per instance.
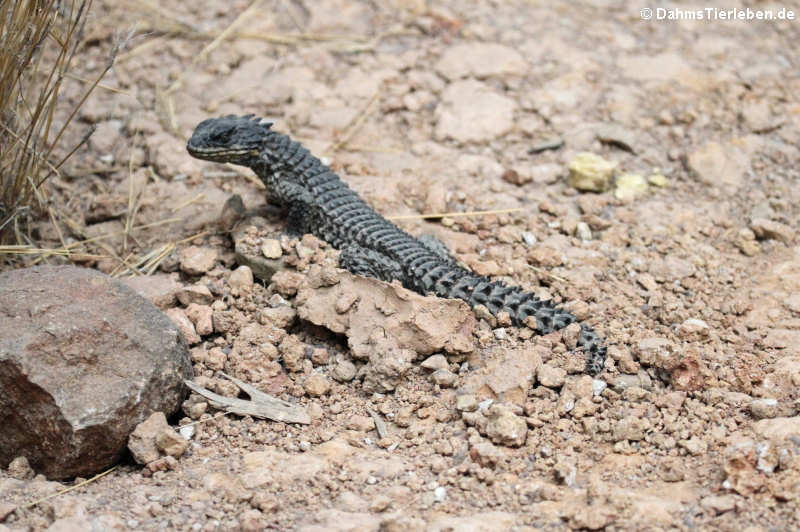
[435, 362]
[196, 260]
[630, 186]
[271, 249]
[317, 385]
[443, 378]
[488, 113]
[590, 172]
[344, 371]
[583, 231]
[550, 376]
[466, 403]
[716, 164]
[241, 279]
[768, 229]
[506, 428]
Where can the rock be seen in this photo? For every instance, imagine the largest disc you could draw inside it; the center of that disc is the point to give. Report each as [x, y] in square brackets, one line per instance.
[435, 362]
[765, 408]
[658, 180]
[201, 318]
[767, 229]
[196, 260]
[241, 279]
[590, 172]
[630, 428]
[287, 283]
[198, 293]
[617, 135]
[551, 376]
[779, 428]
[693, 330]
[20, 469]
[83, 360]
[421, 324]
[481, 60]
[317, 385]
[160, 289]
[282, 316]
[716, 164]
[630, 186]
[466, 403]
[271, 248]
[671, 269]
[757, 115]
[142, 441]
[471, 111]
[344, 371]
[184, 325]
[718, 504]
[444, 378]
[506, 428]
[171, 443]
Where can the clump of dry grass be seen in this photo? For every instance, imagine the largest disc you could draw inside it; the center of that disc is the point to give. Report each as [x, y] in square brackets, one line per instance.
[38, 42]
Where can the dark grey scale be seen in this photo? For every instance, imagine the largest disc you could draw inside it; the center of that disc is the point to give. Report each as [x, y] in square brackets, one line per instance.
[334, 194]
[445, 284]
[378, 236]
[324, 176]
[324, 187]
[362, 230]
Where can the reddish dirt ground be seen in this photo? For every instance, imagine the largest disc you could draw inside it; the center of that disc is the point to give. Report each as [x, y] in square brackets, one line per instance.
[693, 273]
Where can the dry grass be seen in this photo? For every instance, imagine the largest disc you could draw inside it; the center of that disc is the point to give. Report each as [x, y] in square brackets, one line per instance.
[38, 43]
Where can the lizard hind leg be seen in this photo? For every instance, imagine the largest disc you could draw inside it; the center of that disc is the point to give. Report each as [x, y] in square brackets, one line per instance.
[369, 263]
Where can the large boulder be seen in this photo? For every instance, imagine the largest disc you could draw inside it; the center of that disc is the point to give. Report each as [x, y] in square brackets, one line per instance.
[83, 360]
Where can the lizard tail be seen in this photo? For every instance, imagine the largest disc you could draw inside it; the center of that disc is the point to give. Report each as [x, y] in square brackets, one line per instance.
[524, 308]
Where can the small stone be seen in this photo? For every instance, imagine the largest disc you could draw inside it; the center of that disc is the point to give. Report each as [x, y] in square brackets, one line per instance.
[550, 376]
[718, 504]
[695, 446]
[583, 231]
[598, 387]
[201, 317]
[767, 229]
[618, 135]
[171, 443]
[271, 248]
[693, 330]
[293, 352]
[241, 279]
[317, 385]
[506, 428]
[20, 469]
[529, 238]
[765, 408]
[361, 423]
[198, 293]
[142, 441]
[488, 113]
[630, 186]
[717, 164]
[630, 428]
[282, 316]
[444, 378]
[590, 172]
[658, 180]
[196, 260]
[435, 362]
[565, 472]
[466, 403]
[344, 371]
[286, 282]
[184, 325]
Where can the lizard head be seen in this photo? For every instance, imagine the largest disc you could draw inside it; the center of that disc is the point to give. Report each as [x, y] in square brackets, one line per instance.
[228, 139]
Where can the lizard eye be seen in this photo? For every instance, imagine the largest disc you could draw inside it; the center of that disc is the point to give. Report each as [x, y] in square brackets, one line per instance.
[222, 136]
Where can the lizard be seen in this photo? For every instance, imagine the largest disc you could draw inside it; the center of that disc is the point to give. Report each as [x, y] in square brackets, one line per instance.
[319, 202]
